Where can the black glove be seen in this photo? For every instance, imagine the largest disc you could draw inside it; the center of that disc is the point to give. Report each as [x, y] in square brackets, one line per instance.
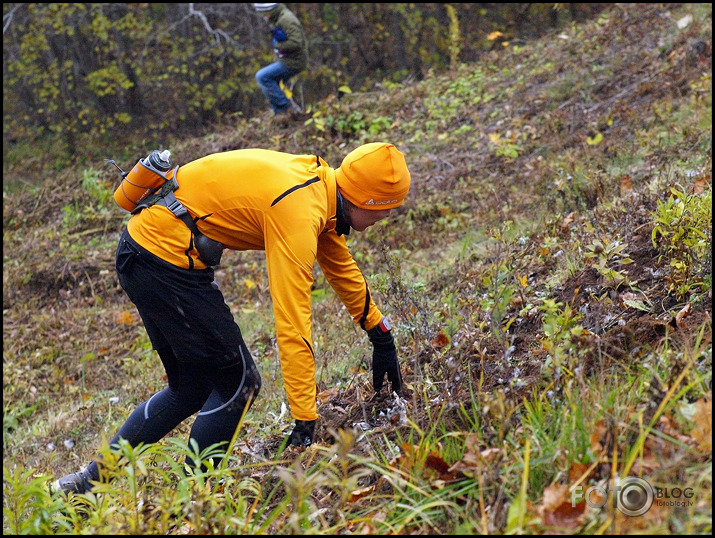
[302, 434]
[384, 357]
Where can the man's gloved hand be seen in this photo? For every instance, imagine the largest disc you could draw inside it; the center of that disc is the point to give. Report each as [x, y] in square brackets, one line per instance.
[302, 434]
[384, 357]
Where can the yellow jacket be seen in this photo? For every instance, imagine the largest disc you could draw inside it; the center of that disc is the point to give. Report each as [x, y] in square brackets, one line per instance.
[255, 199]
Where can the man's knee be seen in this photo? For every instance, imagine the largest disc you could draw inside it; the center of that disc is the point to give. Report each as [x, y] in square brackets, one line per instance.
[263, 77]
[253, 383]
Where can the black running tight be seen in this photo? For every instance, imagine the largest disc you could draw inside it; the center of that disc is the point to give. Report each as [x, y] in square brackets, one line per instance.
[208, 366]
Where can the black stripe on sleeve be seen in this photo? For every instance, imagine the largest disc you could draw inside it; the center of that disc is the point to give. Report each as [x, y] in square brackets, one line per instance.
[367, 306]
[309, 347]
[292, 189]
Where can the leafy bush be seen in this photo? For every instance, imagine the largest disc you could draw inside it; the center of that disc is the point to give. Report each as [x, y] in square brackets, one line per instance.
[683, 231]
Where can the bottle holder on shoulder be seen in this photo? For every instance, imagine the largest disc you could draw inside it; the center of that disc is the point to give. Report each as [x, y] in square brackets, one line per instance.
[143, 180]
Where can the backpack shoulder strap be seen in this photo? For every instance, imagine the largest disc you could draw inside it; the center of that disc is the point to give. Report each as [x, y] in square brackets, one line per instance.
[209, 250]
[169, 186]
[177, 208]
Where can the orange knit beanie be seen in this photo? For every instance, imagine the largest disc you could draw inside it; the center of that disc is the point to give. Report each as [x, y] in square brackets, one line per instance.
[374, 176]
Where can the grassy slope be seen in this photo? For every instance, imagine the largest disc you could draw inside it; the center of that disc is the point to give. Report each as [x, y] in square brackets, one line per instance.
[537, 358]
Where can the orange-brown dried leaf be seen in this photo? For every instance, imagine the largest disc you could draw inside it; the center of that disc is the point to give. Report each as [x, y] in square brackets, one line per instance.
[662, 447]
[327, 395]
[577, 472]
[656, 516]
[701, 183]
[684, 312]
[125, 317]
[358, 494]
[436, 463]
[703, 418]
[626, 185]
[568, 220]
[440, 340]
[598, 436]
[556, 509]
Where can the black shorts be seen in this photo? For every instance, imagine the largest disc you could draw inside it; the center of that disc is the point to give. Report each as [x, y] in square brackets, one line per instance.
[181, 308]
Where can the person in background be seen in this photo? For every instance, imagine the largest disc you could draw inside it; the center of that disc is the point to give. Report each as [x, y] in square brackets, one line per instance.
[298, 210]
[291, 49]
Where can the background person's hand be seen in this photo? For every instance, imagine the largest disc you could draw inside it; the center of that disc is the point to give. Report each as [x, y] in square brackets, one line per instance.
[384, 358]
[278, 35]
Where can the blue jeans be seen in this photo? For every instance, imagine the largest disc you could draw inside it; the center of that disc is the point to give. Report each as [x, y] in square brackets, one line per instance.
[268, 79]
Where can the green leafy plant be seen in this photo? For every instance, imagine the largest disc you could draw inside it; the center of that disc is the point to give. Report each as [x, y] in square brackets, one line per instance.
[379, 125]
[98, 190]
[450, 315]
[560, 326]
[500, 287]
[95, 201]
[28, 508]
[683, 231]
[606, 255]
[11, 417]
[505, 147]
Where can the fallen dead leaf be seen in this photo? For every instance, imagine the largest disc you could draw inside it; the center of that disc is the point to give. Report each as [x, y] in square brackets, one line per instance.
[701, 183]
[626, 185]
[655, 516]
[490, 454]
[598, 436]
[125, 318]
[659, 450]
[684, 312]
[703, 430]
[358, 494]
[557, 510]
[577, 471]
[568, 220]
[327, 395]
[440, 340]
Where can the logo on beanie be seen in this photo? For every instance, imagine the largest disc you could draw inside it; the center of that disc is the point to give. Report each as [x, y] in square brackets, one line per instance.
[383, 202]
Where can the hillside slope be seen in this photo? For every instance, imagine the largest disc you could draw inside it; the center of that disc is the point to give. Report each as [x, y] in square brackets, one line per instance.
[549, 279]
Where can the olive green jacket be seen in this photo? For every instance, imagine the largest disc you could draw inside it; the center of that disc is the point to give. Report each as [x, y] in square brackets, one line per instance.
[293, 52]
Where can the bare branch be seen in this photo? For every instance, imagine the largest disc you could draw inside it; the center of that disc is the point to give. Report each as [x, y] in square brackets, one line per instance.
[216, 33]
[7, 18]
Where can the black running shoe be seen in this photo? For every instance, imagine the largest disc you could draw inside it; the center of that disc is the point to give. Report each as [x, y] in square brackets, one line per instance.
[72, 483]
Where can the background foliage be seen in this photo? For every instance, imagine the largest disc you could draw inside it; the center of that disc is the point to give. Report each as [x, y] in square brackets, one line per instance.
[102, 74]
